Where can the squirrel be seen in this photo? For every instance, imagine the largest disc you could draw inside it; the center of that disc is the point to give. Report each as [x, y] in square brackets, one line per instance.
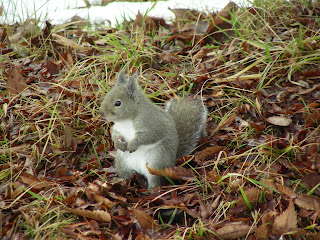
[146, 134]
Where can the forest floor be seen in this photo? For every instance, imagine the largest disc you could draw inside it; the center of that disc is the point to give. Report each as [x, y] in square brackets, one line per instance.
[254, 176]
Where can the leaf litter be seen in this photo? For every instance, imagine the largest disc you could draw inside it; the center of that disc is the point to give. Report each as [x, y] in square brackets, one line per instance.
[254, 176]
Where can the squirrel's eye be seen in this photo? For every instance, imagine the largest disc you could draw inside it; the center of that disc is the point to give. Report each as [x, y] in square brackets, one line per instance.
[117, 103]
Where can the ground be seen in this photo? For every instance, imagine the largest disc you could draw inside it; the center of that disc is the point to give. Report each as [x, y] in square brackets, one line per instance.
[254, 176]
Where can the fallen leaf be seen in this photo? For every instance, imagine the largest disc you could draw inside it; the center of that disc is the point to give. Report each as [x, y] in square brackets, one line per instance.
[312, 119]
[84, 229]
[167, 57]
[66, 59]
[105, 201]
[11, 150]
[145, 220]
[233, 230]
[150, 24]
[279, 121]
[312, 179]
[253, 195]
[185, 14]
[287, 220]
[68, 42]
[32, 181]
[15, 81]
[256, 126]
[225, 12]
[98, 215]
[175, 173]
[67, 137]
[218, 23]
[281, 188]
[308, 202]
[207, 152]
[52, 67]
[4, 32]
[205, 209]
[228, 121]
[200, 54]
[264, 230]
[258, 106]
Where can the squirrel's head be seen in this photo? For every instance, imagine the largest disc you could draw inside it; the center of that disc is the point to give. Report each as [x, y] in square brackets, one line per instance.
[121, 102]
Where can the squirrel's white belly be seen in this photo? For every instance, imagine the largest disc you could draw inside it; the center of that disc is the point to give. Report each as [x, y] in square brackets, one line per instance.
[126, 129]
[137, 160]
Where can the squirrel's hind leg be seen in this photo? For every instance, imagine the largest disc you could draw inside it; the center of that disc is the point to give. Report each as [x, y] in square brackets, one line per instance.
[162, 158]
[153, 181]
[126, 172]
[122, 167]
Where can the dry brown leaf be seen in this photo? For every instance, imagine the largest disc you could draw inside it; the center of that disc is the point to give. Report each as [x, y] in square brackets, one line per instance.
[258, 105]
[84, 228]
[67, 137]
[105, 201]
[313, 119]
[312, 179]
[218, 23]
[66, 58]
[167, 57]
[52, 67]
[207, 152]
[12, 150]
[264, 230]
[149, 23]
[68, 42]
[225, 12]
[185, 14]
[281, 188]
[200, 54]
[305, 91]
[233, 230]
[279, 121]
[212, 175]
[32, 181]
[205, 209]
[216, 202]
[15, 82]
[270, 183]
[28, 28]
[175, 173]
[145, 220]
[98, 215]
[253, 194]
[93, 193]
[285, 190]
[228, 121]
[308, 202]
[287, 220]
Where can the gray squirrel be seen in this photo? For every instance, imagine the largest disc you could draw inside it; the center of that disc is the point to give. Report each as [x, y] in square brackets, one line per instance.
[144, 133]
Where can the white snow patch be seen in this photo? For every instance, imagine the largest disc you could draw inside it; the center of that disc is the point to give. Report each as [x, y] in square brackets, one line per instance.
[61, 11]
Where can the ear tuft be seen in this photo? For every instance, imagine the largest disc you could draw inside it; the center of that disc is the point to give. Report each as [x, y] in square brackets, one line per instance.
[134, 76]
[122, 78]
[132, 86]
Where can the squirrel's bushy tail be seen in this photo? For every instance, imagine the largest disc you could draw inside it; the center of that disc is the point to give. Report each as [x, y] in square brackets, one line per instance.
[190, 118]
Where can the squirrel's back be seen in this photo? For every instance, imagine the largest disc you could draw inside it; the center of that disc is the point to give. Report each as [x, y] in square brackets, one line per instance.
[190, 119]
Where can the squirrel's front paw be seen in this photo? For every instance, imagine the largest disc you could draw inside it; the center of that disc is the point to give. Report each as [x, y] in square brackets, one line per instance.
[131, 147]
[121, 144]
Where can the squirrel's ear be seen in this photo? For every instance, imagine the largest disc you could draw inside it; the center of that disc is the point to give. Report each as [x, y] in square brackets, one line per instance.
[132, 86]
[134, 76]
[122, 76]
